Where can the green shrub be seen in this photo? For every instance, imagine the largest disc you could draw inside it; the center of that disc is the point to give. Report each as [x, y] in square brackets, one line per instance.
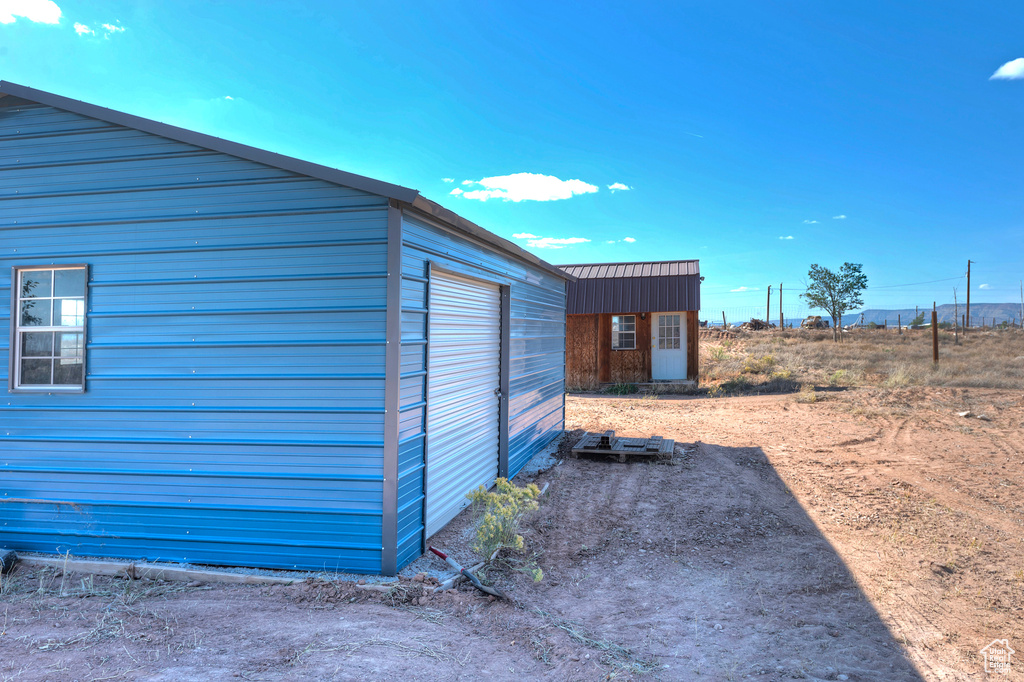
[838, 377]
[762, 365]
[734, 385]
[499, 514]
[622, 389]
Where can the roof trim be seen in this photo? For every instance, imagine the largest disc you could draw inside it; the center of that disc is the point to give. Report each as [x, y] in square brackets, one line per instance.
[634, 270]
[628, 262]
[360, 182]
[409, 197]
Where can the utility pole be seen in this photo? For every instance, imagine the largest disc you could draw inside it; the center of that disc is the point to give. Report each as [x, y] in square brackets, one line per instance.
[768, 306]
[968, 297]
[956, 319]
[781, 321]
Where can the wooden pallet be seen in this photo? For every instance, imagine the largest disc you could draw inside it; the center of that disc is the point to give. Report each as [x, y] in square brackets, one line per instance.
[608, 443]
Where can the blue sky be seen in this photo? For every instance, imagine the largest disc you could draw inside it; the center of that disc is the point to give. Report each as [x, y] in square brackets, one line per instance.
[757, 137]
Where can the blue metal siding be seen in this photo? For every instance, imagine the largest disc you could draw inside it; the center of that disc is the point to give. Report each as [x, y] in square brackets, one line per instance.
[235, 391]
[537, 357]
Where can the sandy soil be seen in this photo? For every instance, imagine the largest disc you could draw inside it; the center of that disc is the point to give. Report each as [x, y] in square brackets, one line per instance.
[869, 535]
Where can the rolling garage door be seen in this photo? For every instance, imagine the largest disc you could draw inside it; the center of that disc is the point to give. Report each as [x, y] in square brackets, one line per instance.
[463, 382]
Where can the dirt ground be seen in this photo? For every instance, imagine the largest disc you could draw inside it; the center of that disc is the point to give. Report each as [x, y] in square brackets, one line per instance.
[868, 535]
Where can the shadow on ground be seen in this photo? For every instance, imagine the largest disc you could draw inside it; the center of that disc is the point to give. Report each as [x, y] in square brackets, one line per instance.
[707, 565]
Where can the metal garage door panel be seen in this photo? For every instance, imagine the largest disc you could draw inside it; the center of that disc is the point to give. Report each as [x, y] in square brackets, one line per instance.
[463, 373]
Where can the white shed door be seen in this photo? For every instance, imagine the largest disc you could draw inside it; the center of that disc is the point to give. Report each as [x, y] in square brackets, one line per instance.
[463, 383]
[668, 347]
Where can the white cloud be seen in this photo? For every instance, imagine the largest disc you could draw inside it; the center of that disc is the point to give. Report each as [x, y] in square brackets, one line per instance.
[526, 187]
[38, 11]
[628, 239]
[229, 97]
[550, 242]
[553, 243]
[787, 237]
[1010, 71]
[456, 191]
[745, 289]
[448, 179]
[108, 30]
[810, 222]
[841, 216]
[616, 186]
[985, 286]
[610, 241]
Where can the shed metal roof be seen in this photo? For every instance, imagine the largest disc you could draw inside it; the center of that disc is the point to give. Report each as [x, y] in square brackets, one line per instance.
[407, 198]
[612, 270]
[662, 286]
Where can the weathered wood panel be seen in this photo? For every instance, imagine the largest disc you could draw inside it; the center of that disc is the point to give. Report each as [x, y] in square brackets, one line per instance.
[581, 366]
[692, 348]
[604, 348]
[632, 366]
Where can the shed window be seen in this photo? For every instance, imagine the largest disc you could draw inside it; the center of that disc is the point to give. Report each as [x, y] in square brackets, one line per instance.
[49, 329]
[668, 332]
[623, 332]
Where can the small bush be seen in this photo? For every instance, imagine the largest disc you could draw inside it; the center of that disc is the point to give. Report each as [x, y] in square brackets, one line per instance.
[622, 389]
[499, 514]
[899, 376]
[838, 377]
[807, 394]
[735, 385]
[762, 365]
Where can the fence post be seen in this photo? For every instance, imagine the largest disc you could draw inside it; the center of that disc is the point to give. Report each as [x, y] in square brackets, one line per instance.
[723, 319]
[899, 324]
[935, 337]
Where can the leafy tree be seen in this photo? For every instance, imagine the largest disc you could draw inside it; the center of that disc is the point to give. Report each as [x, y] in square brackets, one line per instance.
[835, 292]
[917, 320]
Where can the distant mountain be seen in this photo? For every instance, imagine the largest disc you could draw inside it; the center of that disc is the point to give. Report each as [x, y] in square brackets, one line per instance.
[989, 311]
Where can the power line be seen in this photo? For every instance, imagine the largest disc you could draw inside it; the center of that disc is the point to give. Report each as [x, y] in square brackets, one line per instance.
[884, 286]
[914, 284]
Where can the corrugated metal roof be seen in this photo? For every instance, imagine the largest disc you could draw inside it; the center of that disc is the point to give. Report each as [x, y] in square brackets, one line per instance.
[614, 270]
[410, 198]
[664, 286]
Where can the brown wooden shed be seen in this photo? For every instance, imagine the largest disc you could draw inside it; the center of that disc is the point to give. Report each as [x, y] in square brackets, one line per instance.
[631, 323]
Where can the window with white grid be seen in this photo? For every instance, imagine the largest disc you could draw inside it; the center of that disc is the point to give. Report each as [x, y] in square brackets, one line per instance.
[48, 328]
[623, 332]
[668, 332]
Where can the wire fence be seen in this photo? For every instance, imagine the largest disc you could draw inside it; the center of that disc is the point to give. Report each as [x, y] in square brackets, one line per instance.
[948, 296]
[888, 314]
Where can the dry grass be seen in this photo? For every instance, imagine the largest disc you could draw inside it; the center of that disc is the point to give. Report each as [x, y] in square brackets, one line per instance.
[784, 360]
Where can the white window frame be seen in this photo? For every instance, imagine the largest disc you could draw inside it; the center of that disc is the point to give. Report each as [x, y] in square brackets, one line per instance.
[618, 335]
[14, 384]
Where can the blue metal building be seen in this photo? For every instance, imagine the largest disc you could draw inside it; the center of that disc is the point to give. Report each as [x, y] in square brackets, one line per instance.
[221, 355]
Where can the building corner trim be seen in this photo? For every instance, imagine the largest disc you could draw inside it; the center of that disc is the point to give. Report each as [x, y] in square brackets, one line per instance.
[393, 368]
